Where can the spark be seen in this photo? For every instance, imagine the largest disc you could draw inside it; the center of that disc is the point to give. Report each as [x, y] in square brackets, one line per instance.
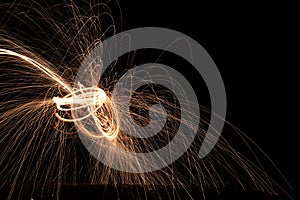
[95, 100]
[41, 106]
[44, 69]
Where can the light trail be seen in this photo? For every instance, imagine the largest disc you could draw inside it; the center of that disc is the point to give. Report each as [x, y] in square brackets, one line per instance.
[39, 66]
[41, 108]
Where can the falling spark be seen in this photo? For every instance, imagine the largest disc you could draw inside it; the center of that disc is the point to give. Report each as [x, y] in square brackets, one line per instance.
[41, 104]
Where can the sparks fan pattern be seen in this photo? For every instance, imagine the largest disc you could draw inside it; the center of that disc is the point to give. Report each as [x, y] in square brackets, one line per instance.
[39, 143]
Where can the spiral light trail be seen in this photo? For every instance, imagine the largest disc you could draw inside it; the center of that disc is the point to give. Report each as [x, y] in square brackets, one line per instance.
[46, 113]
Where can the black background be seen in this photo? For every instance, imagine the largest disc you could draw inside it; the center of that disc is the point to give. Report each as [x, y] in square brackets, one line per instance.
[253, 47]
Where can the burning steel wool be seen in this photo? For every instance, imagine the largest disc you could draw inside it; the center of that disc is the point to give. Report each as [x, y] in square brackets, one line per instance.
[100, 109]
[105, 123]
